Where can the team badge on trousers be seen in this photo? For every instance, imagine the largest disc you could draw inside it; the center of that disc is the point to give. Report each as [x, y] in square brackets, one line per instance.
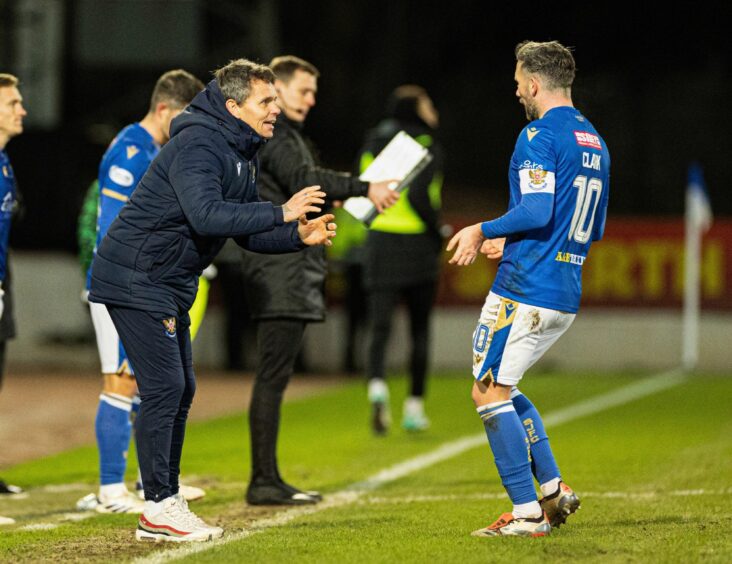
[169, 324]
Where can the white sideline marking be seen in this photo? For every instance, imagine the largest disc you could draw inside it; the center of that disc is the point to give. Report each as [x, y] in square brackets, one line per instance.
[632, 496]
[353, 493]
[39, 527]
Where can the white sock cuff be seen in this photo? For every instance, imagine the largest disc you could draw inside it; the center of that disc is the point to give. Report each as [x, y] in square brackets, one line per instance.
[378, 390]
[491, 409]
[116, 400]
[548, 488]
[531, 509]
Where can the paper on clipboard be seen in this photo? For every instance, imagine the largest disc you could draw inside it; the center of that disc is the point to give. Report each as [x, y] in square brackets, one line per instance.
[402, 159]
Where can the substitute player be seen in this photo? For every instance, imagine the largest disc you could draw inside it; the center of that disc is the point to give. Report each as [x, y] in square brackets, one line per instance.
[559, 183]
[12, 113]
[122, 167]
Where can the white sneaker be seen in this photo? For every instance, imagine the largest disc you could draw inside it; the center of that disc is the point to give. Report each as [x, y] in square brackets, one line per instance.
[217, 531]
[87, 503]
[174, 522]
[190, 493]
[6, 520]
[413, 417]
[121, 501]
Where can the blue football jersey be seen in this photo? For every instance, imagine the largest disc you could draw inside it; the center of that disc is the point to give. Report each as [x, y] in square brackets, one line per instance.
[123, 166]
[560, 165]
[7, 204]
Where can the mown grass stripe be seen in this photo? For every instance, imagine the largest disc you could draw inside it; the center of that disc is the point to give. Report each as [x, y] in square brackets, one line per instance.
[353, 493]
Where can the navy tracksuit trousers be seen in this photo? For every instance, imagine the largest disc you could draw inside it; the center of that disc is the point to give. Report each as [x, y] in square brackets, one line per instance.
[159, 348]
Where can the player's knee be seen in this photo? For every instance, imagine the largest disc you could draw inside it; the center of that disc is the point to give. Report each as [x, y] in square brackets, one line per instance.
[123, 384]
[489, 392]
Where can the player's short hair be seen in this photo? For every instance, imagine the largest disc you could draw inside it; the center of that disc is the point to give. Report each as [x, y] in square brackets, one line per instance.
[176, 88]
[286, 65]
[235, 79]
[8, 80]
[551, 60]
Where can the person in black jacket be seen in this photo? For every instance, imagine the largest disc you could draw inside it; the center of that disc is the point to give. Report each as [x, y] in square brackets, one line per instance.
[401, 257]
[199, 190]
[287, 292]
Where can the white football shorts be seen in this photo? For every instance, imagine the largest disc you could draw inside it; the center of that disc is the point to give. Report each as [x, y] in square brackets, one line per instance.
[112, 354]
[512, 336]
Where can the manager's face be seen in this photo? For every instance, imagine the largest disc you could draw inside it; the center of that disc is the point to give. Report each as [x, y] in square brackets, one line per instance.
[260, 110]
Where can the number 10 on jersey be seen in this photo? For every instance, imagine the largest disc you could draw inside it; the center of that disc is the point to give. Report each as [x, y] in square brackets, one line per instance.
[581, 228]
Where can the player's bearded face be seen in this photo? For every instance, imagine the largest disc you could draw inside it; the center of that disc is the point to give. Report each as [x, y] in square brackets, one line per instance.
[524, 94]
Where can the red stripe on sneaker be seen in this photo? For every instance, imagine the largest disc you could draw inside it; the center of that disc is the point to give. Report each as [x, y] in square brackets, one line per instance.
[144, 521]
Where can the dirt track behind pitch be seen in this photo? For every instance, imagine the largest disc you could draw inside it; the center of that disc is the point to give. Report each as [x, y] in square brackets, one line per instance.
[46, 413]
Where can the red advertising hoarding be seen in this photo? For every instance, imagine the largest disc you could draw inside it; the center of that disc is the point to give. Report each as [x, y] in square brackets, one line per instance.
[639, 263]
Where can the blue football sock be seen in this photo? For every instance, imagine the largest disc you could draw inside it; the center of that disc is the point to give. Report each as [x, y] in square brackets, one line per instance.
[543, 464]
[510, 449]
[113, 429]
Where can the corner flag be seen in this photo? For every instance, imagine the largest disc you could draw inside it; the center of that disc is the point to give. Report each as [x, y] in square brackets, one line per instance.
[698, 221]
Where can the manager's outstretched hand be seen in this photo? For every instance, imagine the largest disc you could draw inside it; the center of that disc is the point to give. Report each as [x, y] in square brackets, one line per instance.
[318, 231]
[468, 241]
[303, 202]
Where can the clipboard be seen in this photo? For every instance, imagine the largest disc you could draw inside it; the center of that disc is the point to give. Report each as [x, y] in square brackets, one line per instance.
[402, 159]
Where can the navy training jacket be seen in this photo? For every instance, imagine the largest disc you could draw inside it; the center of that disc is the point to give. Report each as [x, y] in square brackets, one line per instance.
[199, 190]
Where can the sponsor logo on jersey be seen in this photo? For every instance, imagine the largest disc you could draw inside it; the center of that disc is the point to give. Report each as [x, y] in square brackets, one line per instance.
[132, 151]
[586, 139]
[121, 176]
[6, 174]
[169, 324]
[569, 258]
[238, 168]
[532, 132]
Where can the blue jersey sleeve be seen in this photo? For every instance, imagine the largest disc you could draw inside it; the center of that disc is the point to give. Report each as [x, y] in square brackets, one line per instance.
[532, 180]
[121, 170]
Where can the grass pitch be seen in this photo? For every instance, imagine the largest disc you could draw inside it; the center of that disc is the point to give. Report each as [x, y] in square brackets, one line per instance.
[654, 475]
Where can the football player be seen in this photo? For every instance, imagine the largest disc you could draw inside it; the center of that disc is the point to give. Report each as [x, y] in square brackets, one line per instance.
[559, 183]
[12, 113]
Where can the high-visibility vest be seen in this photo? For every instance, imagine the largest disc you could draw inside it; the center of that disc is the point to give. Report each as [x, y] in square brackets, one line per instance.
[401, 217]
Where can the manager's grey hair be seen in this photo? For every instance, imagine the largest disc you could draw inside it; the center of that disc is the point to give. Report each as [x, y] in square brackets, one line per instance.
[235, 79]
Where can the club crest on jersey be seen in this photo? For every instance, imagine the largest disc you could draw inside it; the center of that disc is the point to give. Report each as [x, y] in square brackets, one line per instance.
[537, 178]
[169, 324]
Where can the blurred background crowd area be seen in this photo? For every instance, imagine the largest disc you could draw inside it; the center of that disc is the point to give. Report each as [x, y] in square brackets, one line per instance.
[655, 85]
